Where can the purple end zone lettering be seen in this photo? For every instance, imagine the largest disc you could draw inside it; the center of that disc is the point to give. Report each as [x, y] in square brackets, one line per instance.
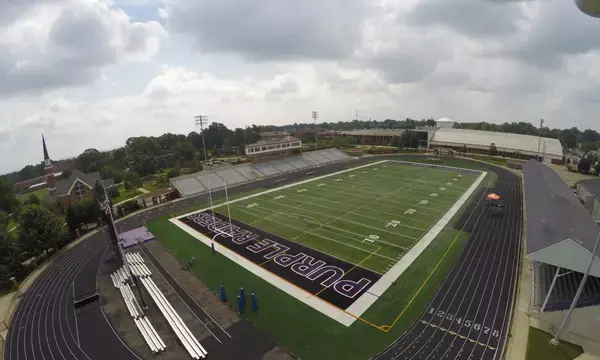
[336, 275]
[286, 260]
[307, 266]
[279, 249]
[244, 236]
[350, 288]
[261, 245]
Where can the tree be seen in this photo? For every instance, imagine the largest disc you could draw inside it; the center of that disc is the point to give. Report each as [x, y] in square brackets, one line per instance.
[91, 211]
[9, 257]
[584, 166]
[128, 186]
[173, 173]
[598, 169]
[3, 220]
[32, 200]
[39, 230]
[8, 195]
[113, 192]
[72, 218]
[568, 138]
[133, 178]
[493, 150]
[99, 191]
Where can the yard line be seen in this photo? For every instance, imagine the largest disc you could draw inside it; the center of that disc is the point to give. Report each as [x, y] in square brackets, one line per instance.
[325, 237]
[340, 219]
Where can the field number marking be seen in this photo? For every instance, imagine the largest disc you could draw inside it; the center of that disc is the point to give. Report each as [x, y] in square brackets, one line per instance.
[371, 238]
[466, 323]
[424, 202]
[455, 179]
[363, 172]
[448, 183]
[352, 176]
[433, 194]
[321, 184]
[301, 190]
[337, 180]
[459, 175]
[442, 188]
[252, 205]
[393, 223]
[410, 212]
[279, 197]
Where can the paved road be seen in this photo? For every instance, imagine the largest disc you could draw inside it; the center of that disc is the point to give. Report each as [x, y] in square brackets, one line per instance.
[468, 317]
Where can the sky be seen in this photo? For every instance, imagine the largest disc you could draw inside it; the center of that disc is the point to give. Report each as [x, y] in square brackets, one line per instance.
[91, 73]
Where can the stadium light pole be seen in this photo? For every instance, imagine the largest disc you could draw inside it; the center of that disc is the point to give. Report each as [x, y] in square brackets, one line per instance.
[540, 140]
[315, 116]
[555, 340]
[200, 121]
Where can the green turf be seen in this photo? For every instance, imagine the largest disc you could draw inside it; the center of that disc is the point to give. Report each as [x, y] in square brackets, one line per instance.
[539, 348]
[301, 329]
[341, 215]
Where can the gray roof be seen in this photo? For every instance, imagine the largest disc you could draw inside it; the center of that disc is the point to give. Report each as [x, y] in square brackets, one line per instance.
[553, 212]
[63, 186]
[593, 186]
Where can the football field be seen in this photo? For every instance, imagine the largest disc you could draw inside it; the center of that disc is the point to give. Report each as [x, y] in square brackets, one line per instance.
[370, 217]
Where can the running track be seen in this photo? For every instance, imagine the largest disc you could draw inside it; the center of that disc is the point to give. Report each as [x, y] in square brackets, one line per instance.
[45, 326]
[468, 318]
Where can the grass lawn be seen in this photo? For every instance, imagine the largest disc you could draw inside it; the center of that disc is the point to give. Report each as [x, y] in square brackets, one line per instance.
[125, 194]
[538, 347]
[314, 335]
[39, 193]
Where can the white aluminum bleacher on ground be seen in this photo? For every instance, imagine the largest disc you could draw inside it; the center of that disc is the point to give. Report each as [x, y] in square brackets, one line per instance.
[311, 162]
[340, 154]
[231, 176]
[281, 165]
[247, 171]
[185, 336]
[266, 169]
[211, 180]
[296, 162]
[153, 340]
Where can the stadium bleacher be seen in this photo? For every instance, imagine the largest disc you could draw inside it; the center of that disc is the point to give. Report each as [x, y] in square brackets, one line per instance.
[564, 289]
[189, 185]
[281, 165]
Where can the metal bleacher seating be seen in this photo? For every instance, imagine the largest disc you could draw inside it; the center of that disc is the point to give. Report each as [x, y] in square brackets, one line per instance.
[565, 288]
[296, 162]
[120, 281]
[266, 169]
[230, 176]
[189, 185]
[281, 165]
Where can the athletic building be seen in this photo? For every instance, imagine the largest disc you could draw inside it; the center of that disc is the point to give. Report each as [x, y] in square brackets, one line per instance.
[560, 238]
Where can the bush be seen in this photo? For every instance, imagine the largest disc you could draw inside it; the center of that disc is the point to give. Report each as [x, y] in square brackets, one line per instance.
[113, 192]
[584, 166]
[173, 173]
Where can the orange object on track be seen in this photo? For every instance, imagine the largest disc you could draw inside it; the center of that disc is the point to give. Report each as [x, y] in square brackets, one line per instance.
[493, 196]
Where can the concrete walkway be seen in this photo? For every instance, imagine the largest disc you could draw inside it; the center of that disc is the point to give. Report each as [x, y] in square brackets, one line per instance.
[587, 357]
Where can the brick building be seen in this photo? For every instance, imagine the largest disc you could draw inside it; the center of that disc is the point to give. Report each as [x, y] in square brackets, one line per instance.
[78, 186]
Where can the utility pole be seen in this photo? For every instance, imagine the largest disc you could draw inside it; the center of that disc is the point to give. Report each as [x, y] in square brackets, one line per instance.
[315, 116]
[200, 121]
[356, 115]
[537, 158]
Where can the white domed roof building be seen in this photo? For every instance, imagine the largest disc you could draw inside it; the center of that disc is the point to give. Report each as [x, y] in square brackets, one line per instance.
[444, 123]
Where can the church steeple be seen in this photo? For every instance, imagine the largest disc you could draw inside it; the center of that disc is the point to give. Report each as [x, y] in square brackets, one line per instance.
[46, 157]
[48, 169]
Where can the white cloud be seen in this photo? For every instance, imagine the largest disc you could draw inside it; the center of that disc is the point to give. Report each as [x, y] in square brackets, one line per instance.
[88, 75]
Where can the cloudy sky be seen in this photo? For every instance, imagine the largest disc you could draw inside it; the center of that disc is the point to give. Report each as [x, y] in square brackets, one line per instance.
[91, 73]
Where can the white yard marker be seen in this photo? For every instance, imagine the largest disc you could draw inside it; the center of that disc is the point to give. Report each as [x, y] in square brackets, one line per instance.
[371, 238]
[449, 183]
[279, 197]
[433, 194]
[410, 212]
[352, 176]
[337, 180]
[393, 223]
[252, 205]
[319, 185]
[301, 190]
[442, 188]
[424, 202]
[454, 179]
[363, 172]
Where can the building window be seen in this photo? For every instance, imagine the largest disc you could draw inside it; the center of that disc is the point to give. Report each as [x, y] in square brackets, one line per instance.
[271, 147]
[278, 146]
[263, 148]
[296, 144]
[79, 189]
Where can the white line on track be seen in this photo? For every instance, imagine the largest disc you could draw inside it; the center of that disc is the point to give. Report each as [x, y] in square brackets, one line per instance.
[76, 325]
